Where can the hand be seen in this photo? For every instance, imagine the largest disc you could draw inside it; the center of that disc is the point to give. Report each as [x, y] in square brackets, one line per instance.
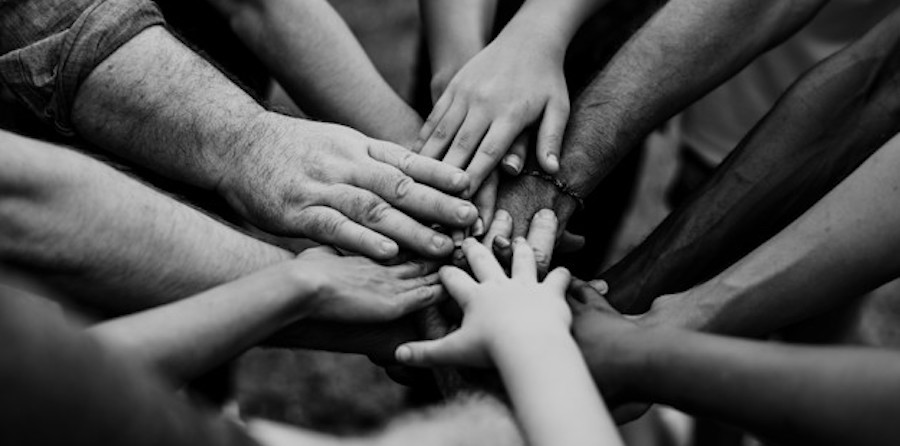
[601, 333]
[356, 289]
[497, 308]
[514, 82]
[336, 186]
[523, 196]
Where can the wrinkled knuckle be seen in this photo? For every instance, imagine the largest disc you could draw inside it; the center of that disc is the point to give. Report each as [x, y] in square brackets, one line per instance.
[492, 151]
[375, 211]
[441, 133]
[402, 186]
[406, 161]
[463, 141]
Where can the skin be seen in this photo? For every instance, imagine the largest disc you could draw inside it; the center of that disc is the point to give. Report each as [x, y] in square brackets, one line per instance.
[521, 326]
[158, 104]
[790, 394]
[313, 54]
[515, 81]
[825, 125]
[685, 50]
[107, 398]
[187, 338]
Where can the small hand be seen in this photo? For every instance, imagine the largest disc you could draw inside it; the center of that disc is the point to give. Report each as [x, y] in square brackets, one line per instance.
[336, 186]
[356, 289]
[513, 83]
[496, 307]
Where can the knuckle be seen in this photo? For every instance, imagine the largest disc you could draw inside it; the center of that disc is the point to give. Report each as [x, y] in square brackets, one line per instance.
[323, 226]
[375, 211]
[401, 185]
[406, 161]
[492, 151]
[441, 133]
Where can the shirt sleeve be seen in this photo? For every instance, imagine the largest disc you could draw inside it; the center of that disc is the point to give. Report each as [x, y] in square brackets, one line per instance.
[48, 47]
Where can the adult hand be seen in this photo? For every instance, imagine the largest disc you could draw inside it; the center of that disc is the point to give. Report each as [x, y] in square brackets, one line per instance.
[356, 289]
[497, 307]
[336, 186]
[523, 196]
[601, 333]
[516, 81]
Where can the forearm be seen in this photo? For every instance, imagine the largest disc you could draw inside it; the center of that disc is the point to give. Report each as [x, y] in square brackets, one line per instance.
[158, 104]
[185, 339]
[570, 412]
[682, 52]
[96, 233]
[315, 57]
[455, 31]
[825, 126]
[792, 394]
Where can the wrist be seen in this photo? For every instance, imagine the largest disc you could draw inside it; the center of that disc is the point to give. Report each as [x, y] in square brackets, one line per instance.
[249, 137]
[509, 341]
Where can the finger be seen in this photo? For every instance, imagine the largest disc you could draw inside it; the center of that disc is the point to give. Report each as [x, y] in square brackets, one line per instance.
[558, 280]
[444, 131]
[550, 136]
[437, 112]
[523, 266]
[503, 250]
[415, 268]
[420, 201]
[600, 285]
[371, 211]
[447, 350]
[494, 145]
[459, 284]
[467, 140]
[569, 242]
[485, 201]
[420, 168]
[484, 265]
[515, 158]
[500, 227]
[417, 298]
[330, 226]
[542, 237]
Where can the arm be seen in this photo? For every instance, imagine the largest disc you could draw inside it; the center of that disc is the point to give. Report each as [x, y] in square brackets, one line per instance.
[96, 233]
[187, 338]
[521, 327]
[686, 49]
[158, 104]
[824, 126]
[455, 30]
[789, 394]
[315, 57]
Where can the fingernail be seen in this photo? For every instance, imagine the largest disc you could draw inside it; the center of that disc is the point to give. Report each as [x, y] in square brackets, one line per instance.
[403, 354]
[466, 212]
[601, 286]
[439, 241]
[501, 242]
[458, 255]
[512, 164]
[519, 240]
[388, 247]
[553, 161]
[546, 213]
[501, 215]
[459, 179]
[478, 231]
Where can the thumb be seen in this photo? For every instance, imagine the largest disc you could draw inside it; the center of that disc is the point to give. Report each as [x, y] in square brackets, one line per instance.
[442, 351]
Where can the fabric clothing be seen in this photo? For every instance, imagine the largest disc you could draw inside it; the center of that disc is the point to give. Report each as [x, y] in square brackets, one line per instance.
[59, 386]
[48, 47]
[715, 124]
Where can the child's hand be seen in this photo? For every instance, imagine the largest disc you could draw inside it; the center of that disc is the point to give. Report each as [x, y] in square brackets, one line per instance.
[357, 289]
[498, 310]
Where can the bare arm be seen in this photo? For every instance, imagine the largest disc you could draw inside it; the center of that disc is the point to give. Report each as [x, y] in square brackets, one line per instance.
[314, 55]
[685, 50]
[789, 394]
[825, 126]
[97, 233]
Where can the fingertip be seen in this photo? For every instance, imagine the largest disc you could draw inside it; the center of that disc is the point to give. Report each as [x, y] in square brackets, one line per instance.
[404, 354]
[512, 164]
[551, 163]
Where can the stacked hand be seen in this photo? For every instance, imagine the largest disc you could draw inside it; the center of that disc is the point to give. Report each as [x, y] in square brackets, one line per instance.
[496, 307]
[339, 187]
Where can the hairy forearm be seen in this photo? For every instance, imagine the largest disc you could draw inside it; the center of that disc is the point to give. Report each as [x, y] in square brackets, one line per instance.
[569, 412]
[187, 338]
[825, 126]
[784, 393]
[158, 104]
[96, 233]
[315, 57]
[686, 49]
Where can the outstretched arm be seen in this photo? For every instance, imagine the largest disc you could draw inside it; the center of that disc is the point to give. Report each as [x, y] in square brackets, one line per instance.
[315, 57]
[686, 49]
[825, 126]
[107, 239]
[790, 394]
